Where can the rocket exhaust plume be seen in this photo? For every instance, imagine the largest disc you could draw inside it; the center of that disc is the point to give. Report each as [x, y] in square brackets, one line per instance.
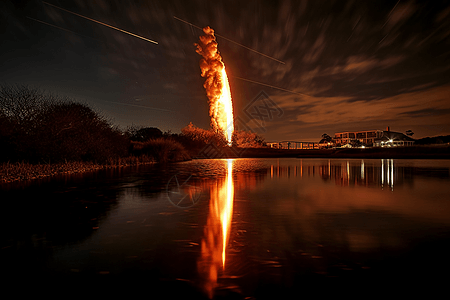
[216, 85]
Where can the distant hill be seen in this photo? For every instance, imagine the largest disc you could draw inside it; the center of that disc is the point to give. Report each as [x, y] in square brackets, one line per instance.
[442, 139]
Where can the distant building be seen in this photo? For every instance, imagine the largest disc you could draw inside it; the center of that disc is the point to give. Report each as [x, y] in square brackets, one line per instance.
[393, 139]
[366, 137]
[272, 145]
[373, 138]
[293, 145]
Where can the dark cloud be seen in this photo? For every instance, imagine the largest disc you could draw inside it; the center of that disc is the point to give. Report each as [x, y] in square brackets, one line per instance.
[427, 112]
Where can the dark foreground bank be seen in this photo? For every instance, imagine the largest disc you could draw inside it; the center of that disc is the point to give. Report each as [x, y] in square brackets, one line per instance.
[21, 171]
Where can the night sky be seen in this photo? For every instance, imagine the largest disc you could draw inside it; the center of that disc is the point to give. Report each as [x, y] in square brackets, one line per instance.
[353, 65]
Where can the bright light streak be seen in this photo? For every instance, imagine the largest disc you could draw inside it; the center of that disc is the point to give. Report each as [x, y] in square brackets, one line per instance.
[271, 86]
[329, 168]
[281, 62]
[348, 170]
[362, 169]
[392, 174]
[389, 15]
[104, 24]
[227, 212]
[388, 173]
[225, 99]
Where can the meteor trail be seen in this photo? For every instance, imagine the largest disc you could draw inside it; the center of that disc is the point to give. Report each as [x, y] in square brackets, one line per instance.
[272, 86]
[101, 23]
[62, 28]
[281, 62]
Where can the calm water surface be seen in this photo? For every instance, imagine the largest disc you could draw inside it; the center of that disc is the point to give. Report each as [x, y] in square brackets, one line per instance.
[256, 228]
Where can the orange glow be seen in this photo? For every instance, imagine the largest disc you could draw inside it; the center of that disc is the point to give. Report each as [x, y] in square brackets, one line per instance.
[216, 85]
[227, 210]
[217, 231]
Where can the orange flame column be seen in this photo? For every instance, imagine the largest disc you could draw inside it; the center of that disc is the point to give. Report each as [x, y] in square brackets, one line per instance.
[216, 85]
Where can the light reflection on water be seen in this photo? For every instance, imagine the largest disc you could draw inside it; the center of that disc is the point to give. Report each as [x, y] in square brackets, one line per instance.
[217, 230]
[258, 224]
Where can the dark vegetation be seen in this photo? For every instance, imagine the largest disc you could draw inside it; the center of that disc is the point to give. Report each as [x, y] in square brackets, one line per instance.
[436, 140]
[42, 134]
[38, 128]
[41, 128]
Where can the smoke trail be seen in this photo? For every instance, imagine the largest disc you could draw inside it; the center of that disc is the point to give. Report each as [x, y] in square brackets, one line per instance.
[216, 84]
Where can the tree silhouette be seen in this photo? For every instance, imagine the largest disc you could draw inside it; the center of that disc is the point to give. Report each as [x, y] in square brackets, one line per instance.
[325, 138]
[409, 133]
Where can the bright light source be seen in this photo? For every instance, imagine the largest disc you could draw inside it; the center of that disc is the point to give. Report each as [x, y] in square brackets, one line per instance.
[363, 147]
[390, 141]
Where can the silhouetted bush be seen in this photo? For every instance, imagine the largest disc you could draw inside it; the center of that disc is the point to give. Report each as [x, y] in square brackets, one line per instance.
[196, 139]
[142, 134]
[247, 139]
[161, 149]
[79, 133]
[203, 136]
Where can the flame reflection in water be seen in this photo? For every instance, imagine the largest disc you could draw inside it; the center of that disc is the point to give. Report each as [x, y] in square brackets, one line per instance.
[217, 231]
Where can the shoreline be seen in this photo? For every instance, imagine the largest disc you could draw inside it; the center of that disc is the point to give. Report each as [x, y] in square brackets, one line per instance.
[21, 171]
[415, 152]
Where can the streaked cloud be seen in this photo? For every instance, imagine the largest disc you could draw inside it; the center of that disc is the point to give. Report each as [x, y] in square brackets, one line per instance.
[412, 110]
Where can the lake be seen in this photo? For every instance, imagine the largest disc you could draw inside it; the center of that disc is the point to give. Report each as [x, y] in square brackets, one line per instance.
[238, 228]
